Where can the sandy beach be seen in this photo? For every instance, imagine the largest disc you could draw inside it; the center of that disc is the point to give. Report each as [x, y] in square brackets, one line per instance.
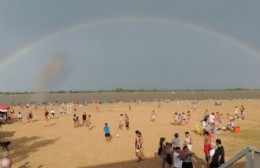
[61, 145]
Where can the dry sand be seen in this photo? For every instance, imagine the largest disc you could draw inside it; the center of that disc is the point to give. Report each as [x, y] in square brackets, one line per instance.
[61, 145]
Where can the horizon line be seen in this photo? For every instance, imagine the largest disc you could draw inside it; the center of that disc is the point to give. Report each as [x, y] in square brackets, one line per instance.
[128, 90]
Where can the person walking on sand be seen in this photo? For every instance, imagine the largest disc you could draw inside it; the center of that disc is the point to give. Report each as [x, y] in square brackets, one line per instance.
[162, 151]
[207, 146]
[188, 141]
[120, 121]
[126, 122]
[107, 133]
[129, 107]
[236, 113]
[188, 117]
[242, 112]
[20, 117]
[29, 116]
[84, 119]
[153, 116]
[139, 146]
[97, 108]
[88, 123]
[52, 113]
[46, 115]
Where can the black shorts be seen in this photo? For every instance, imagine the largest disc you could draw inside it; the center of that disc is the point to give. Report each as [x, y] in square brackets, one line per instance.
[127, 125]
[107, 135]
[169, 161]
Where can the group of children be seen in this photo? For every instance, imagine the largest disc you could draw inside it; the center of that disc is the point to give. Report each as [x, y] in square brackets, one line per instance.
[123, 120]
[86, 120]
[213, 122]
[181, 118]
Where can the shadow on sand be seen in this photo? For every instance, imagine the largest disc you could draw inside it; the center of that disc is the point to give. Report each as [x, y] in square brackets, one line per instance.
[21, 148]
[27, 165]
[154, 162]
[6, 134]
[24, 146]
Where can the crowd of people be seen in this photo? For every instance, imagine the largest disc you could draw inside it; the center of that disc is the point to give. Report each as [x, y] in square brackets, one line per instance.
[172, 153]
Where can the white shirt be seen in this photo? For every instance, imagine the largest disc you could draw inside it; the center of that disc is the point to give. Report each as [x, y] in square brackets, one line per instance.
[211, 118]
[177, 161]
[236, 110]
[203, 124]
[20, 115]
[176, 117]
[212, 152]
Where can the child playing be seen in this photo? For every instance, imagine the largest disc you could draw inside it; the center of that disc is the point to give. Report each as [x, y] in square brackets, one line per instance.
[153, 116]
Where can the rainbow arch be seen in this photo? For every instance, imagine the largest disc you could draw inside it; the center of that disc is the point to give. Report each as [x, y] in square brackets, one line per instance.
[99, 22]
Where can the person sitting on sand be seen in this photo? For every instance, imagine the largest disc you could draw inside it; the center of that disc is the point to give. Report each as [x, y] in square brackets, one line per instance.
[107, 133]
[184, 118]
[176, 119]
[179, 122]
[231, 125]
[153, 116]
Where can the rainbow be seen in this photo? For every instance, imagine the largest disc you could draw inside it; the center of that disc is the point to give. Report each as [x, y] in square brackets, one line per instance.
[92, 23]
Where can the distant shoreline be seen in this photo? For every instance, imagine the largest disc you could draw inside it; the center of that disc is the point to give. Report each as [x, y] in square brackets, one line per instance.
[107, 97]
[125, 90]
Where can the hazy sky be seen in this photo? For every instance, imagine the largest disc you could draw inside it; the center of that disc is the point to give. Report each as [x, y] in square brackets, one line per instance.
[149, 44]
